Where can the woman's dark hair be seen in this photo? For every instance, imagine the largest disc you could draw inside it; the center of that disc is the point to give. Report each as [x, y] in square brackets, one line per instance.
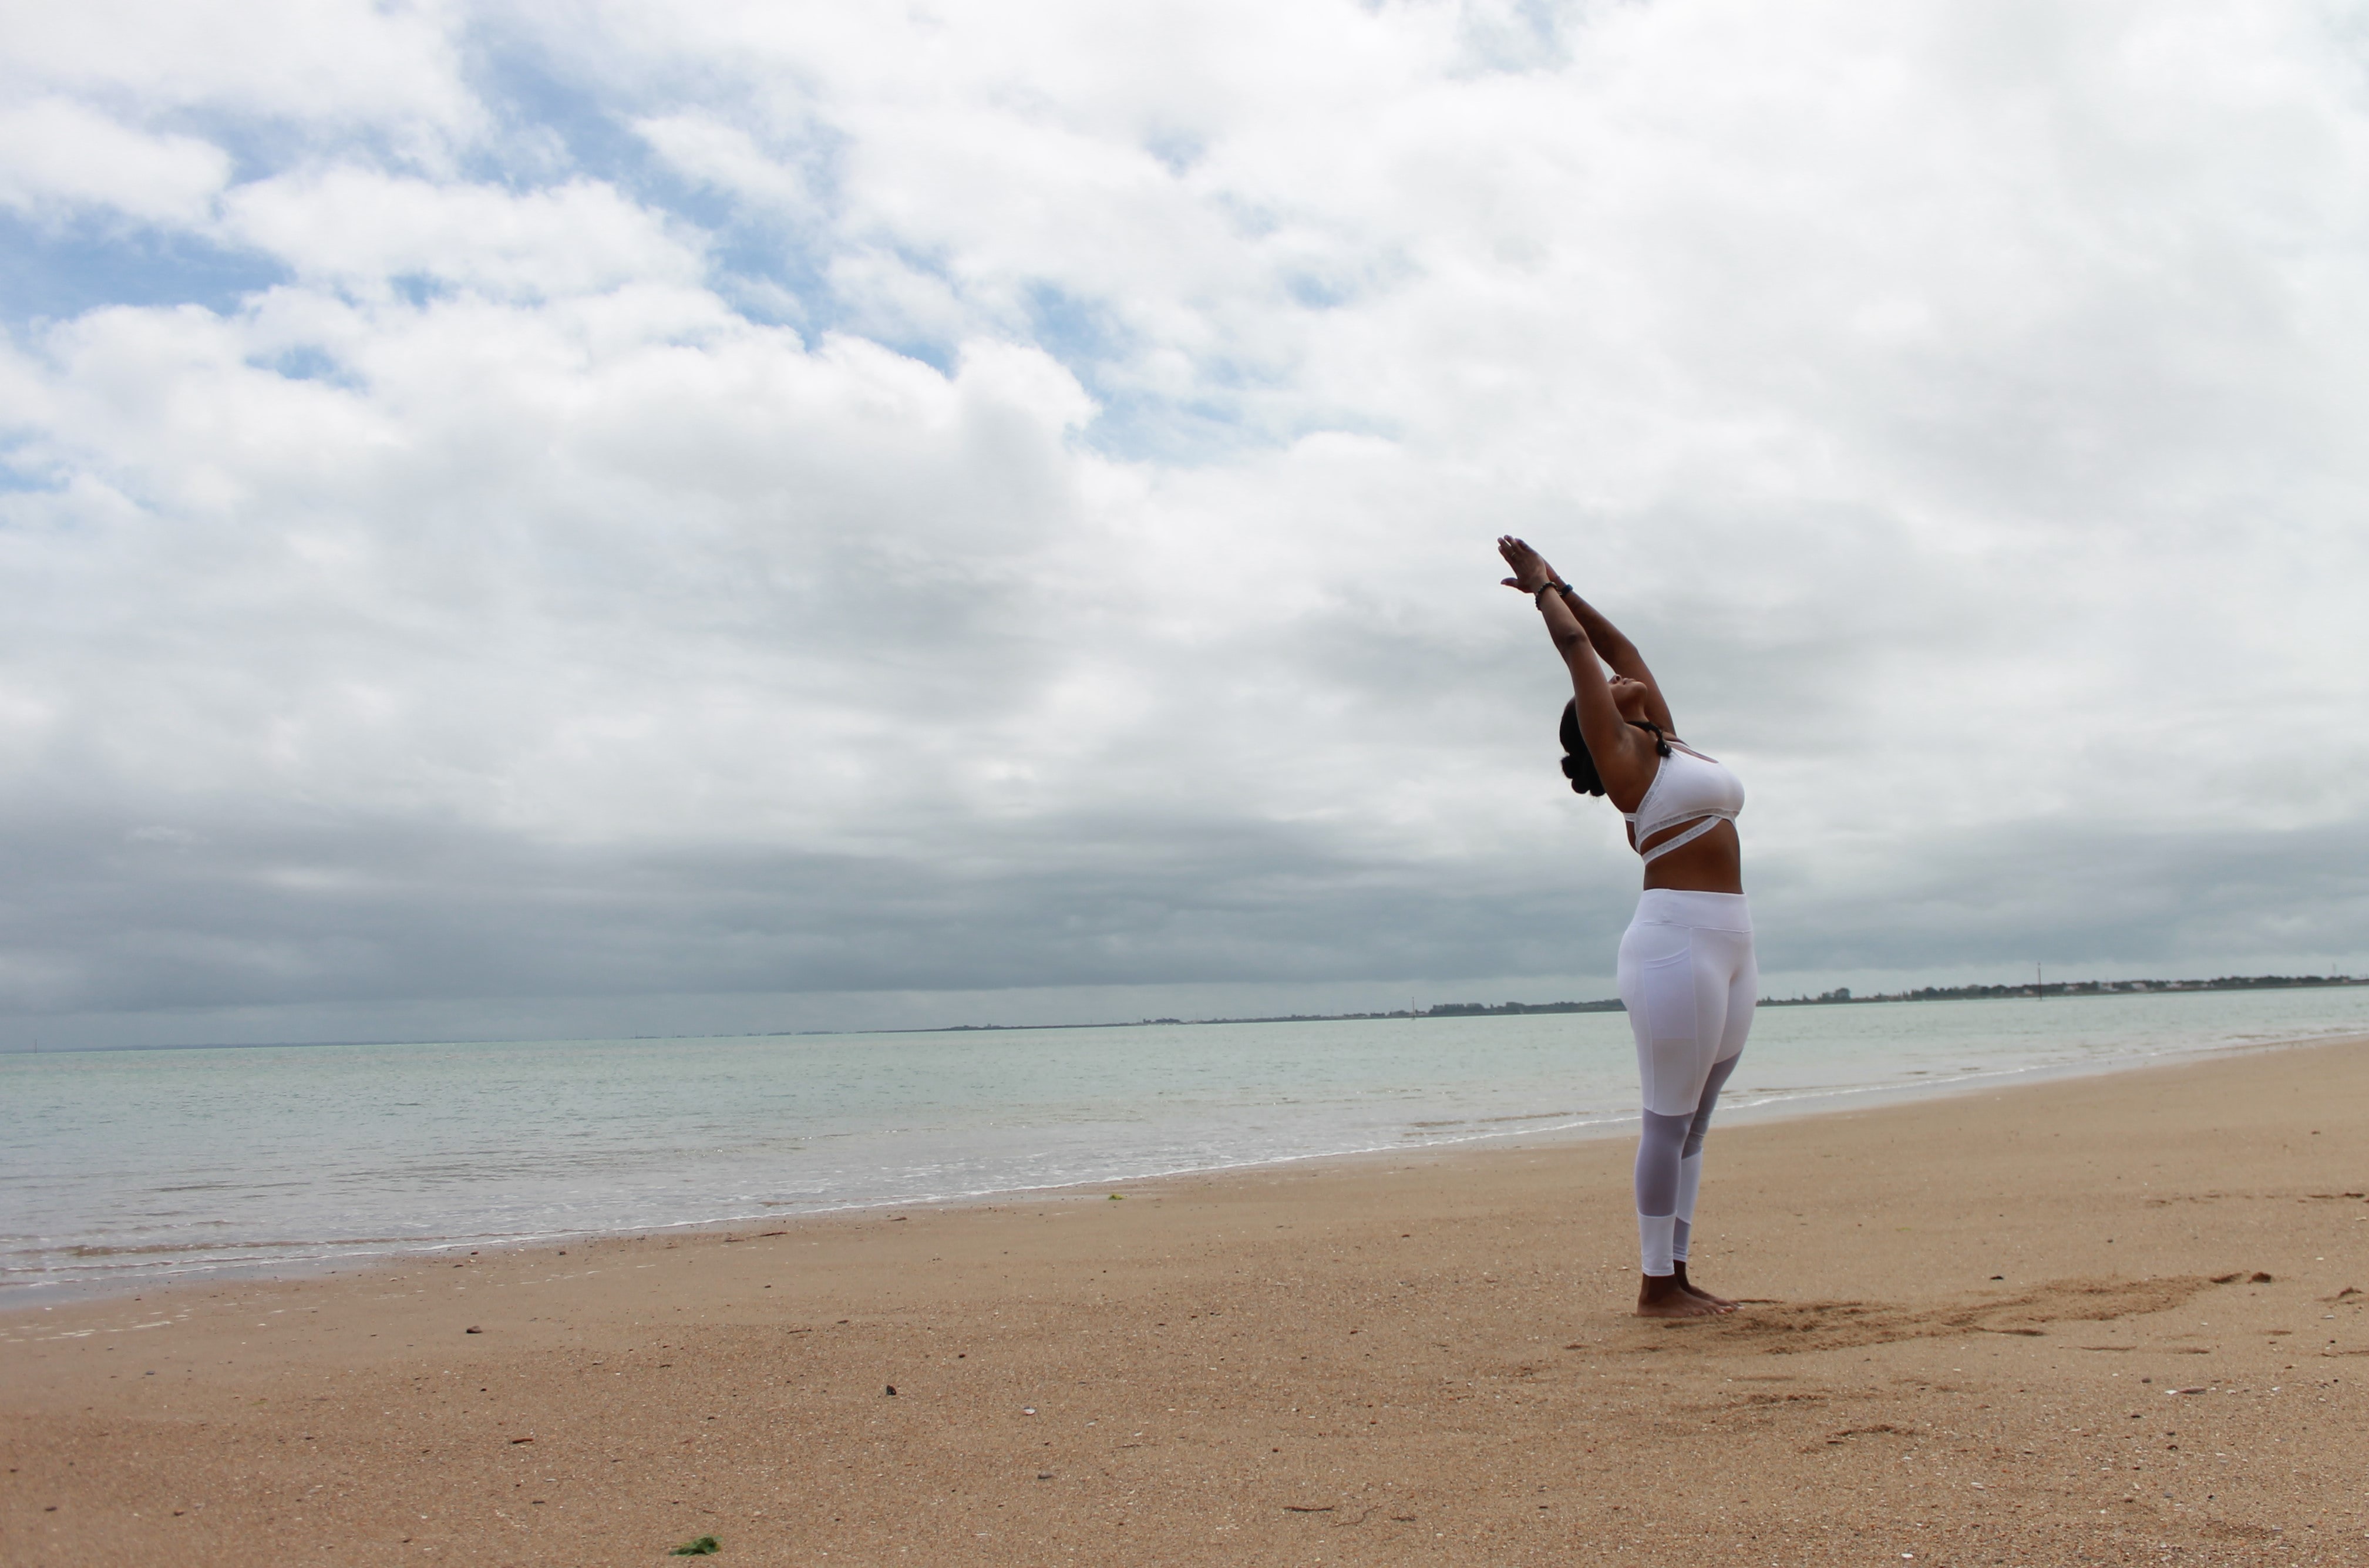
[1578, 766]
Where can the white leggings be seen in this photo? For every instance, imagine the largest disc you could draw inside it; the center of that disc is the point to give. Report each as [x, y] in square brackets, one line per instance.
[1689, 983]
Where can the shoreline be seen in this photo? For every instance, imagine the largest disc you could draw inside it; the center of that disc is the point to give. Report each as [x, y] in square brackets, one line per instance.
[1736, 1110]
[2097, 1319]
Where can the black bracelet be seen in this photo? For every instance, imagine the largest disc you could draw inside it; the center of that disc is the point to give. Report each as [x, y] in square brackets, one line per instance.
[1558, 587]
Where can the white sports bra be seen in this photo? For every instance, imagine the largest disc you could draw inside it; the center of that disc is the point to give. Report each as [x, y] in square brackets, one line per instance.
[1686, 785]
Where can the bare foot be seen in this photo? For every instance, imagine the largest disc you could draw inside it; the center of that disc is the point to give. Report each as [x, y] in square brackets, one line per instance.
[1720, 1303]
[1660, 1295]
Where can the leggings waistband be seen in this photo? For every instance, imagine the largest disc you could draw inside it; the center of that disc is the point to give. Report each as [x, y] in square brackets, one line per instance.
[1705, 911]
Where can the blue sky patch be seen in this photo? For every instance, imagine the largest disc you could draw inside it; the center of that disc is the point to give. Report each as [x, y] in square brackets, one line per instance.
[54, 273]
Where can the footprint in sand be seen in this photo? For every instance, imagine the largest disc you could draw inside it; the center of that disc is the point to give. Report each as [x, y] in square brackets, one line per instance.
[1791, 1328]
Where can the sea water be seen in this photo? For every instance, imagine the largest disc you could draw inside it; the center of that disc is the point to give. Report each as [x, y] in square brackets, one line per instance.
[118, 1168]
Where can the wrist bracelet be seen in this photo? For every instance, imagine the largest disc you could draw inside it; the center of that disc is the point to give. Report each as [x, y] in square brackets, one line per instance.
[1558, 587]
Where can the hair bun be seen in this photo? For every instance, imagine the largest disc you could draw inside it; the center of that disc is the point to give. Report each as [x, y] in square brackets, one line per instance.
[1578, 765]
[1581, 771]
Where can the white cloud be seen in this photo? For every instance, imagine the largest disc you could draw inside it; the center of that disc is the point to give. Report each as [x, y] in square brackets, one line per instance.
[363, 229]
[342, 63]
[59, 156]
[544, 568]
[731, 160]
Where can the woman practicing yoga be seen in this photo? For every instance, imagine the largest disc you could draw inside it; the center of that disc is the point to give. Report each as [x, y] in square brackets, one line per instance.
[1686, 973]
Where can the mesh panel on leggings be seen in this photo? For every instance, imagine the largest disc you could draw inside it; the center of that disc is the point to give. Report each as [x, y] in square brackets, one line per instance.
[1666, 1140]
[1669, 1149]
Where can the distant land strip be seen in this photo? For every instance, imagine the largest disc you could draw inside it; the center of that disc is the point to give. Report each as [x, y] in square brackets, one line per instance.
[1839, 996]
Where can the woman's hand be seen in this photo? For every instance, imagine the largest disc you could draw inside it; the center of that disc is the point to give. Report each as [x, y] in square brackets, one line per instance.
[1531, 572]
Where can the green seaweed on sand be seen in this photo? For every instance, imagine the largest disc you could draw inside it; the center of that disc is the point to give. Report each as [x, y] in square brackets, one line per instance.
[705, 1545]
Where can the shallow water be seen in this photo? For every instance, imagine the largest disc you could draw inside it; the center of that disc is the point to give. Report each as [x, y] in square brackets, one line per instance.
[120, 1167]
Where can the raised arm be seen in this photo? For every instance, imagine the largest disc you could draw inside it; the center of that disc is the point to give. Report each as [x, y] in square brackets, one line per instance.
[1624, 756]
[1615, 650]
[1621, 655]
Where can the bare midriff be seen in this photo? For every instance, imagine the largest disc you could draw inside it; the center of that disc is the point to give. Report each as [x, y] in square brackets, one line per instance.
[1713, 864]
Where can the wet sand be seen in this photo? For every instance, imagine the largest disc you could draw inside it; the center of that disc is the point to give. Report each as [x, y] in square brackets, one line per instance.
[2106, 1320]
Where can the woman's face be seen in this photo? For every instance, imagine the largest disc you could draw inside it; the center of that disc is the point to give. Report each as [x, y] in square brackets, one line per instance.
[1629, 696]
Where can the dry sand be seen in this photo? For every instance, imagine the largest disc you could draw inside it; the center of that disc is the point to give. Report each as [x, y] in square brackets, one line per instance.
[2110, 1320]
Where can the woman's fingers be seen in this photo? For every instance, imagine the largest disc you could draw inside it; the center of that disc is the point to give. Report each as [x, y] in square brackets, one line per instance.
[1525, 561]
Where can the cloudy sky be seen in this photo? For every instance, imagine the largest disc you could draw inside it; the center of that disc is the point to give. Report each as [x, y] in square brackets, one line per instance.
[618, 517]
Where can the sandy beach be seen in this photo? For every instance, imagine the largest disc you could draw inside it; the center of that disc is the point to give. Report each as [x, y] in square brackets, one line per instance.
[2115, 1319]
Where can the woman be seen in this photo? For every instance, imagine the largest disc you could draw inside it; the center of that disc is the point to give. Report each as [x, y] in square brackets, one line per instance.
[1687, 972]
